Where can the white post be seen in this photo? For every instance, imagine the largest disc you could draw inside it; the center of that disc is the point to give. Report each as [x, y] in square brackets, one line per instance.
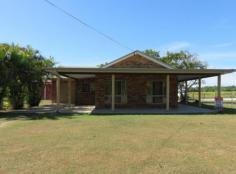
[186, 92]
[58, 92]
[113, 92]
[199, 92]
[69, 91]
[219, 86]
[45, 91]
[167, 92]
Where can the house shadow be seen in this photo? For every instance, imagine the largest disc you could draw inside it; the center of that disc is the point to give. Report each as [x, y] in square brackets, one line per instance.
[225, 110]
[36, 116]
[50, 113]
[37, 113]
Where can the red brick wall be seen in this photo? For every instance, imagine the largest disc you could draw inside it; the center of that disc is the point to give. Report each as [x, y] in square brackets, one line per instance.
[136, 61]
[136, 86]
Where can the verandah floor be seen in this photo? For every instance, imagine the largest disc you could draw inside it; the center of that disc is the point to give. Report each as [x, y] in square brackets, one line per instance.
[182, 109]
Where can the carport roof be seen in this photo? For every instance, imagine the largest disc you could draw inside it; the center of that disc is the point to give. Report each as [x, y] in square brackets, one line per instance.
[182, 74]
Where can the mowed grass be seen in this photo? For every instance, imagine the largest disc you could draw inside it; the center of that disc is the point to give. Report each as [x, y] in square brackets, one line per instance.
[118, 144]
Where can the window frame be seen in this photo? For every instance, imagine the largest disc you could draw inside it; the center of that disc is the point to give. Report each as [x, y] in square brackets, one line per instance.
[121, 85]
[163, 95]
[119, 98]
[88, 87]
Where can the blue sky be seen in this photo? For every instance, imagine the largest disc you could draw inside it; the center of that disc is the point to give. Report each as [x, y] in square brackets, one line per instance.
[204, 27]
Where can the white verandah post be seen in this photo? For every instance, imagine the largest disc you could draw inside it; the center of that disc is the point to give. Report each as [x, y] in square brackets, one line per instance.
[199, 92]
[219, 102]
[58, 87]
[113, 92]
[69, 91]
[167, 92]
[219, 86]
[186, 92]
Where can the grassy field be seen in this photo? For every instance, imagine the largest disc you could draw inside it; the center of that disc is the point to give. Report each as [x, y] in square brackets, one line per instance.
[117, 144]
[211, 95]
[228, 104]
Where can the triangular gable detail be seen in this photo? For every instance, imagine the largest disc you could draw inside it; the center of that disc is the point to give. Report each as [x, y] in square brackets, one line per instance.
[161, 64]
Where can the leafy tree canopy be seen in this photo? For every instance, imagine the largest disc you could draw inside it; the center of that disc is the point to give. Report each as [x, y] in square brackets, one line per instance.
[179, 60]
[22, 70]
[152, 53]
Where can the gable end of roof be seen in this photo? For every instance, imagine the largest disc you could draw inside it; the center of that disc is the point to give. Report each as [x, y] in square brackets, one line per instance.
[141, 54]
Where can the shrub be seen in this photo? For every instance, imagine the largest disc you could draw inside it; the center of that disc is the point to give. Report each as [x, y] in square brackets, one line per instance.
[23, 70]
[34, 93]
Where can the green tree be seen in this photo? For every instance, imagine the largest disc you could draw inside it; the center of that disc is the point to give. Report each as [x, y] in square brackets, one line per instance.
[102, 65]
[3, 72]
[24, 71]
[152, 53]
[184, 60]
[16, 65]
[35, 79]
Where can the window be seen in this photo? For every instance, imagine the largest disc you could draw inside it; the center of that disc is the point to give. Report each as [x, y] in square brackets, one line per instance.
[120, 87]
[156, 92]
[85, 87]
[157, 88]
[120, 91]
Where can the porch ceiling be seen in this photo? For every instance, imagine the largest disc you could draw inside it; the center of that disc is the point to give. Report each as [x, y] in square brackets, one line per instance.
[182, 74]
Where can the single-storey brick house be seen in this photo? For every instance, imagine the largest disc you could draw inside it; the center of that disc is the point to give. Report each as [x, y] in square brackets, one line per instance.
[134, 80]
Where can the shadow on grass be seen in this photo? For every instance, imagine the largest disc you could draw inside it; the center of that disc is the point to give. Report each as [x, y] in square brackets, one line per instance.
[226, 110]
[37, 116]
[15, 115]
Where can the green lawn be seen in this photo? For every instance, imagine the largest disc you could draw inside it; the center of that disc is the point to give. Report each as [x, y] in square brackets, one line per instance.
[117, 144]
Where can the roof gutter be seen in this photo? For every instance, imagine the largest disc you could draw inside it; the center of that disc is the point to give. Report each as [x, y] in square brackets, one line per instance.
[137, 71]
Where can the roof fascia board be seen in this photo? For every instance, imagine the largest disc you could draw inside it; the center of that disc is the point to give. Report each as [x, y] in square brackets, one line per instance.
[139, 70]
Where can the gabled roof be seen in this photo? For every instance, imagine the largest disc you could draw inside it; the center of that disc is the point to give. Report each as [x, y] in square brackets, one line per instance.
[140, 54]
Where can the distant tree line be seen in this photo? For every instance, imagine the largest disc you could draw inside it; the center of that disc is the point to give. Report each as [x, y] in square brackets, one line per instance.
[22, 74]
[214, 88]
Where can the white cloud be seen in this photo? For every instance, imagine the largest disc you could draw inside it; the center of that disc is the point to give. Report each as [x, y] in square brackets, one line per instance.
[225, 60]
[176, 46]
[227, 80]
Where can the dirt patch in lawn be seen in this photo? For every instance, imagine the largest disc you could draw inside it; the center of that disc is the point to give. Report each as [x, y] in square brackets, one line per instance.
[6, 123]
